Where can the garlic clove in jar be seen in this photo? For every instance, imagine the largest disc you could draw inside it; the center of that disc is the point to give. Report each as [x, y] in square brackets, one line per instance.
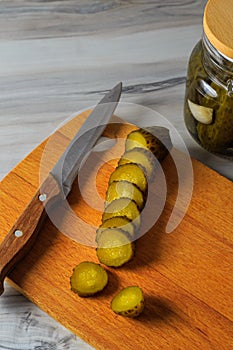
[202, 114]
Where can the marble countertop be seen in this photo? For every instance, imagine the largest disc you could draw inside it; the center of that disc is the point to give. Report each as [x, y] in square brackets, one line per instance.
[59, 57]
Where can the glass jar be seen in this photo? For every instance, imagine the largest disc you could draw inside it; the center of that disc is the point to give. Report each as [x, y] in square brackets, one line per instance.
[208, 108]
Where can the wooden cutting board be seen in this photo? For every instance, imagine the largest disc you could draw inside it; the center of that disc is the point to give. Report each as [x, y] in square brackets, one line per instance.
[186, 275]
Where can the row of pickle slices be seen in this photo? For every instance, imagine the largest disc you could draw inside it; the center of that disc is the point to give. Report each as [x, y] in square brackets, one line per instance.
[125, 199]
[126, 195]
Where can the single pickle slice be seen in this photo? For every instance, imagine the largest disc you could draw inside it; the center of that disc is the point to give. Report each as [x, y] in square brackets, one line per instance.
[125, 189]
[121, 222]
[114, 248]
[88, 278]
[140, 156]
[123, 207]
[129, 302]
[131, 173]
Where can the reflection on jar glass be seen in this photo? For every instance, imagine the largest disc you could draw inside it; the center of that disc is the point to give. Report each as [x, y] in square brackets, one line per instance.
[208, 108]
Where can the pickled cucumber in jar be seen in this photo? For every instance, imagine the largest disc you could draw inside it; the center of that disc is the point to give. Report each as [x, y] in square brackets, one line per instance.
[208, 108]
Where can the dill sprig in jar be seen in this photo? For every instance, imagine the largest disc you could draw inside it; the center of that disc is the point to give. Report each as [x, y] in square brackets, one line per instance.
[208, 108]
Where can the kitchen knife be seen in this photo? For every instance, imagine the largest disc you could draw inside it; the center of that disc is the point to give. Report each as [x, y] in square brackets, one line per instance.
[56, 186]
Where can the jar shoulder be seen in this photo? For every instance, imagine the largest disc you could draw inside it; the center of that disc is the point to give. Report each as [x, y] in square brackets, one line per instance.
[195, 65]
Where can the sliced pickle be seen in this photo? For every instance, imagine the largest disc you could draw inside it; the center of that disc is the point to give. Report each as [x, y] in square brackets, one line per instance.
[141, 156]
[125, 189]
[131, 173]
[129, 302]
[136, 139]
[88, 278]
[123, 207]
[114, 248]
[120, 222]
[156, 139]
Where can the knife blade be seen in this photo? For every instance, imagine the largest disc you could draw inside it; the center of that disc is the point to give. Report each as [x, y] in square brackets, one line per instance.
[56, 186]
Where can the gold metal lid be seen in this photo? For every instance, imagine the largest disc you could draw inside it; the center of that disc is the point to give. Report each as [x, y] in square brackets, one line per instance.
[218, 25]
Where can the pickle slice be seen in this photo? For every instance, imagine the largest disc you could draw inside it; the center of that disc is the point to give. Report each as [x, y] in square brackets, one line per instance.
[141, 156]
[124, 189]
[131, 173]
[114, 248]
[156, 139]
[129, 302]
[123, 207]
[120, 222]
[88, 278]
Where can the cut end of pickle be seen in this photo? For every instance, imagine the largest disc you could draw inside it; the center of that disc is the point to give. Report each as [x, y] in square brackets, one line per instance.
[129, 302]
[88, 278]
[114, 248]
[135, 139]
[155, 139]
[202, 114]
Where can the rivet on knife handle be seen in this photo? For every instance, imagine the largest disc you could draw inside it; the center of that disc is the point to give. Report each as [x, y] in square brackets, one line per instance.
[22, 235]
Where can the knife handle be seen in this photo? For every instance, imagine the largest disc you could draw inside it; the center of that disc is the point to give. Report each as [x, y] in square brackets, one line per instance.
[22, 235]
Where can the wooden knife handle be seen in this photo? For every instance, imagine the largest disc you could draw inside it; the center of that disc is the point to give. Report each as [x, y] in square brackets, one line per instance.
[22, 235]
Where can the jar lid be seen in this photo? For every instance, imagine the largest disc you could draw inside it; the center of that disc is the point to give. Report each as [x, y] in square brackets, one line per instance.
[218, 25]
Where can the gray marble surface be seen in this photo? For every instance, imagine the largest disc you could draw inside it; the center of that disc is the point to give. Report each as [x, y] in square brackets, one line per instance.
[59, 57]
